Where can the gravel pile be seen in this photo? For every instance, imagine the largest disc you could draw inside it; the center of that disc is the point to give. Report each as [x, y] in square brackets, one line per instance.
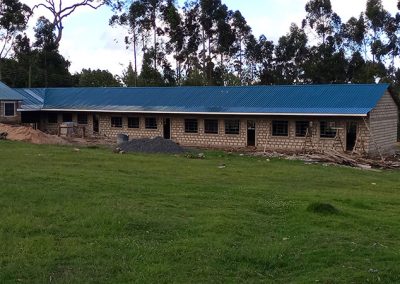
[155, 145]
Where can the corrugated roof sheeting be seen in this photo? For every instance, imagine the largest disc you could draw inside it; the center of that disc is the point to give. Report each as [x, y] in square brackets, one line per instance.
[318, 99]
[6, 93]
[33, 98]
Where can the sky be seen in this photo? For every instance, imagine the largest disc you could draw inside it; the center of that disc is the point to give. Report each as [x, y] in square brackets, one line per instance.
[89, 42]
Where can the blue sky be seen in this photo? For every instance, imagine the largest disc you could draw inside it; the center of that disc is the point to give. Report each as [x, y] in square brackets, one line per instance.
[89, 42]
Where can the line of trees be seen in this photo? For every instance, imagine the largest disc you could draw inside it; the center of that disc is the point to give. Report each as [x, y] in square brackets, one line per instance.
[206, 43]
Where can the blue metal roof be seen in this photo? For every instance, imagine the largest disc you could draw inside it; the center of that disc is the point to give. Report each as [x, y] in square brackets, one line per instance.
[33, 98]
[7, 93]
[346, 99]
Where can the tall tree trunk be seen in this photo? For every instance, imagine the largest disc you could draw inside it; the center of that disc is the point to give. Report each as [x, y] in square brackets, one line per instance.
[240, 60]
[135, 55]
[155, 38]
[30, 76]
[209, 62]
[204, 56]
[46, 81]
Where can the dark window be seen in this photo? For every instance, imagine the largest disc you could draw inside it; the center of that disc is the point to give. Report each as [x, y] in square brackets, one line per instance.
[327, 129]
[191, 125]
[67, 117]
[301, 128]
[116, 121]
[52, 117]
[82, 118]
[232, 126]
[151, 123]
[211, 126]
[133, 122]
[280, 128]
[9, 109]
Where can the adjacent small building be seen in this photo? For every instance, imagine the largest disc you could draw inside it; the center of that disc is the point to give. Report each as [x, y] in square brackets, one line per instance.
[10, 102]
[362, 117]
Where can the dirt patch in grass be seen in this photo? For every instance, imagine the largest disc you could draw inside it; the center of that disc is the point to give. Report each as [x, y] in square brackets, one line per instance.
[155, 145]
[323, 208]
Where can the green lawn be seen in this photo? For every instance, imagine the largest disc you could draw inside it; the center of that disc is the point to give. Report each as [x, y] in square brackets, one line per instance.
[94, 216]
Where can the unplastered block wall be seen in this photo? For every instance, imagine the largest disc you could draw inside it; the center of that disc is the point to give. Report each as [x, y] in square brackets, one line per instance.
[266, 140]
[383, 121]
[106, 129]
[203, 139]
[264, 137]
[10, 119]
[53, 127]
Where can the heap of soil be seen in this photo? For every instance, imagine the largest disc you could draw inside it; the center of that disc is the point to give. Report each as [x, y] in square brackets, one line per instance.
[28, 134]
[155, 145]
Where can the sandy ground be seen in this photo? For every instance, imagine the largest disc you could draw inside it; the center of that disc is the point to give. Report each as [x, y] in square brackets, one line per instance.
[28, 134]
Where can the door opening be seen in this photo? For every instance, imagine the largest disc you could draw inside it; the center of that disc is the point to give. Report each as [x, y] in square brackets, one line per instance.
[351, 135]
[167, 128]
[95, 123]
[251, 133]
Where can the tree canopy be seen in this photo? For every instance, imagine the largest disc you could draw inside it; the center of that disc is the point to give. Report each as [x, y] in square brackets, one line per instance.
[206, 43]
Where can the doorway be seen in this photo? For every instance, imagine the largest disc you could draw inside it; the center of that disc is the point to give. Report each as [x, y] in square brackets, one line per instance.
[251, 133]
[351, 135]
[95, 123]
[167, 128]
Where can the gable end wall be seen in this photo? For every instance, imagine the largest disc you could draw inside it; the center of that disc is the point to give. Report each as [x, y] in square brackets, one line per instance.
[383, 121]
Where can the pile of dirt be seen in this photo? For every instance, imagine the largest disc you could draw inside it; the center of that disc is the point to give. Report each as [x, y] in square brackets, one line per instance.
[155, 145]
[28, 134]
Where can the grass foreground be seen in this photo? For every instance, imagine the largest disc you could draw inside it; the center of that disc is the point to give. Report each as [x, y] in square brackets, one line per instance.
[84, 216]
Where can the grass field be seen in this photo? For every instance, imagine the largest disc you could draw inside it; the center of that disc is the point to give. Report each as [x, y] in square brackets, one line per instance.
[94, 216]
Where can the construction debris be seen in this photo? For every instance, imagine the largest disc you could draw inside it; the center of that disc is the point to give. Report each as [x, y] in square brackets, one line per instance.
[338, 158]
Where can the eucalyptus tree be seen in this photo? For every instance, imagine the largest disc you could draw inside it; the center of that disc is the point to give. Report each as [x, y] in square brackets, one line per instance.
[242, 31]
[13, 20]
[266, 61]
[259, 57]
[192, 42]
[291, 53]
[392, 45]
[208, 21]
[354, 35]
[251, 56]
[133, 20]
[176, 39]
[321, 19]
[52, 68]
[226, 38]
[152, 11]
[376, 17]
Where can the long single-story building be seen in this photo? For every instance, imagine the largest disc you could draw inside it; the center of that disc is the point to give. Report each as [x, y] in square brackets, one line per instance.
[362, 117]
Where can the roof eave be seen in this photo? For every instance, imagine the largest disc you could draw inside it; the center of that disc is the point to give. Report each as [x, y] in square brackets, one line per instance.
[207, 113]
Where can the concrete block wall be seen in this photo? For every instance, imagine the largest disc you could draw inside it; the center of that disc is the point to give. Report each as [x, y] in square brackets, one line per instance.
[264, 137]
[141, 132]
[266, 140]
[52, 128]
[10, 119]
[220, 140]
[383, 120]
